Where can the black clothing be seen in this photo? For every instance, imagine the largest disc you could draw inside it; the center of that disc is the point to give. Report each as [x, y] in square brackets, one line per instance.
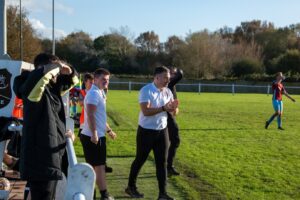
[146, 141]
[43, 190]
[44, 127]
[5, 122]
[174, 139]
[174, 80]
[172, 124]
[95, 154]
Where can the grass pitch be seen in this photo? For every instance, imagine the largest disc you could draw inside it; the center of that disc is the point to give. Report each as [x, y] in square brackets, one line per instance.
[225, 152]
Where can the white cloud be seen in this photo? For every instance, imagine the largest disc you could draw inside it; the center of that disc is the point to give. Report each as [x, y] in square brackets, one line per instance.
[42, 6]
[39, 7]
[46, 32]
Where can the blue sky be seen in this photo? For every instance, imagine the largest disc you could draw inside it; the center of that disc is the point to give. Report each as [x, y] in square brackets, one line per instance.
[164, 17]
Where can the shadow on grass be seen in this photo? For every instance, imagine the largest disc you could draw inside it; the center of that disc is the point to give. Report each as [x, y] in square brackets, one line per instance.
[117, 197]
[194, 129]
[205, 189]
[122, 156]
[121, 177]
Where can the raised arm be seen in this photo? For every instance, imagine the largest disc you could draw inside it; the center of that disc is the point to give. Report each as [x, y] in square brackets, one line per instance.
[67, 79]
[35, 84]
[178, 76]
[288, 96]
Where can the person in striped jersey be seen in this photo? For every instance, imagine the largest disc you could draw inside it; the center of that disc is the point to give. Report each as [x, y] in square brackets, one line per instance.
[278, 89]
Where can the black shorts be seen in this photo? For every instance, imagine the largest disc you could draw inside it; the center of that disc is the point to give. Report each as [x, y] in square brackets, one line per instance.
[95, 154]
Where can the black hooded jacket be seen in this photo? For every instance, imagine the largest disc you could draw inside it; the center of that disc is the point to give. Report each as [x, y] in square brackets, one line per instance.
[173, 81]
[43, 139]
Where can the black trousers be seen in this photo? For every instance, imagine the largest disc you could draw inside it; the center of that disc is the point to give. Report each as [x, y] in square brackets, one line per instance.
[147, 140]
[42, 190]
[174, 139]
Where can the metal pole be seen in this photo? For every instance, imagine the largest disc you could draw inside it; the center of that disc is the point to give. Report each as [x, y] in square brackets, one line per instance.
[71, 153]
[21, 33]
[3, 29]
[199, 88]
[53, 37]
[233, 89]
[129, 86]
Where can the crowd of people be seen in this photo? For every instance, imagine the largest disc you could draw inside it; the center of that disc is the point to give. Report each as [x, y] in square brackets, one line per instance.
[39, 104]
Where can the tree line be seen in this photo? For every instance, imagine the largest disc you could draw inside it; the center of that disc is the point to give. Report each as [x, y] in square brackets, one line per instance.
[253, 49]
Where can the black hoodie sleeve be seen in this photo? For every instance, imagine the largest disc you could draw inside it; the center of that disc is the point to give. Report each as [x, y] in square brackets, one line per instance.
[18, 81]
[178, 76]
[66, 82]
[36, 82]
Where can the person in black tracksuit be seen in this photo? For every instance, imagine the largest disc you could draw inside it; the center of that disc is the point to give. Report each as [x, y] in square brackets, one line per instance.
[176, 76]
[156, 100]
[44, 126]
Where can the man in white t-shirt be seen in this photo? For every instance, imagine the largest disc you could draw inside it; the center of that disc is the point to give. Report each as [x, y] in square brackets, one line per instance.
[95, 127]
[155, 101]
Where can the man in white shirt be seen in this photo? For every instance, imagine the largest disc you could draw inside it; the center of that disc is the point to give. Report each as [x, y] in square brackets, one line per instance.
[155, 101]
[95, 127]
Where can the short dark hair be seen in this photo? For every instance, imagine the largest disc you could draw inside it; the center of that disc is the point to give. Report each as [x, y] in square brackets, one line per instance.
[101, 71]
[278, 73]
[173, 69]
[44, 59]
[88, 76]
[160, 70]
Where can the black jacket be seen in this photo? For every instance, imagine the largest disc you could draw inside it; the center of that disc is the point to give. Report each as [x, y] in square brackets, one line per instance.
[43, 140]
[174, 80]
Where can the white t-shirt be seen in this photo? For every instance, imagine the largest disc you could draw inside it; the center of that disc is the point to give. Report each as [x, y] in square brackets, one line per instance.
[150, 93]
[96, 97]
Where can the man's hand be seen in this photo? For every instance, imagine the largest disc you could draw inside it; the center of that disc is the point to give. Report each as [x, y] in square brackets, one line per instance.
[65, 69]
[112, 134]
[94, 139]
[70, 134]
[175, 103]
[171, 106]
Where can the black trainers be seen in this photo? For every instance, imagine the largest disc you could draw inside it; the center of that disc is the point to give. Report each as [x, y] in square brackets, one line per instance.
[107, 197]
[165, 197]
[267, 125]
[280, 128]
[108, 169]
[172, 172]
[133, 192]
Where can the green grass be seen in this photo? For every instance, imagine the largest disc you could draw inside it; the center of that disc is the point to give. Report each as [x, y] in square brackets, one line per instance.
[225, 152]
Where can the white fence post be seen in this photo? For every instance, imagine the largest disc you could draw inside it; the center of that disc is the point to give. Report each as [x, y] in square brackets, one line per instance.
[233, 91]
[268, 91]
[199, 88]
[129, 86]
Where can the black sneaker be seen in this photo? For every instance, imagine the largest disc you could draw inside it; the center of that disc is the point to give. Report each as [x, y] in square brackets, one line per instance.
[172, 172]
[280, 128]
[267, 125]
[107, 197]
[108, 169]
[165, 197]
[133, 192]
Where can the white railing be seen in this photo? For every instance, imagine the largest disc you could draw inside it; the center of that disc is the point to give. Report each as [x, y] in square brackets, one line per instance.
[206, 87]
